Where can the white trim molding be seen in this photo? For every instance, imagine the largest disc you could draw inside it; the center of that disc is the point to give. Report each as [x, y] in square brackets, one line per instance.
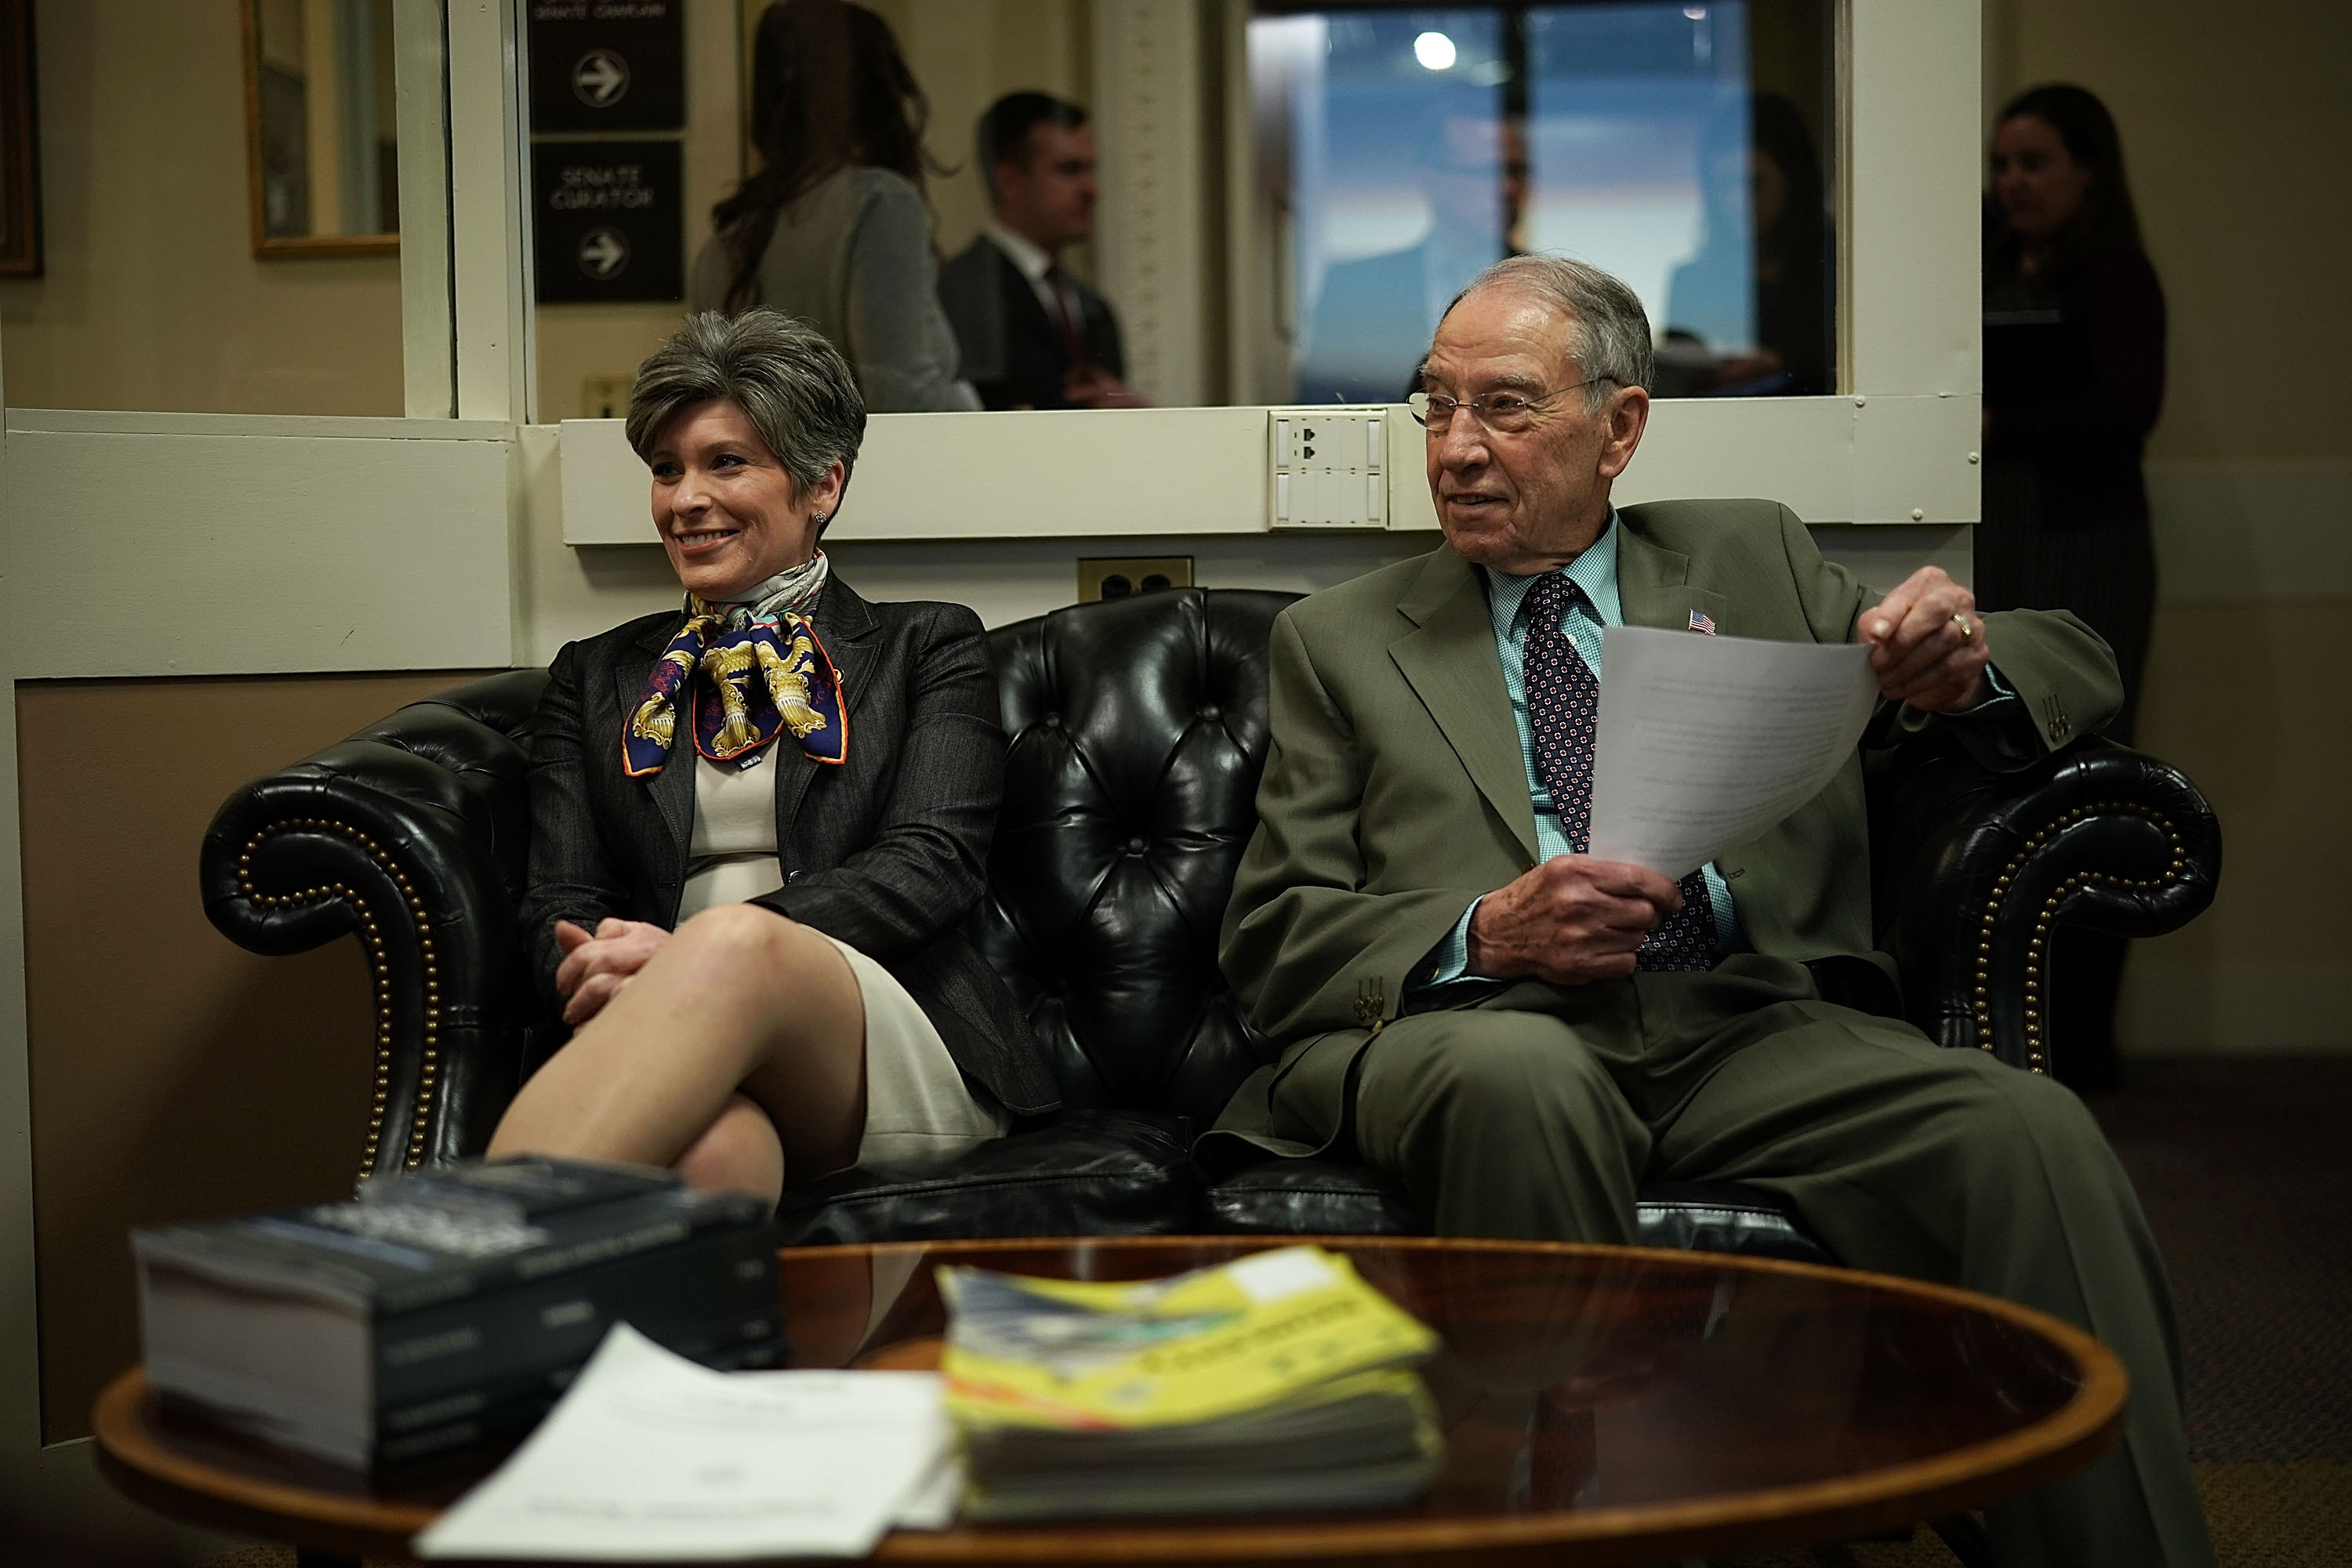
[275, 545]
[489, 212]
[1911, 222]
[1151, 244]
[277, 426]
[420, 37]
[1158, 471]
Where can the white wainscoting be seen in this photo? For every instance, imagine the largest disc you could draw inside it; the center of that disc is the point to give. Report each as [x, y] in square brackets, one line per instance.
[255, 545]
[1161, 472]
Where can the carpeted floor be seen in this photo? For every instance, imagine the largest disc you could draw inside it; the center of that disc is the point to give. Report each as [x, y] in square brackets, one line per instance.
[2245, 1169]
[2244, 1166]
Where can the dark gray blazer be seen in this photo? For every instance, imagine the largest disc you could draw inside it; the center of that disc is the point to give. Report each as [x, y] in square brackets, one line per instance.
[885, 851]
[1013, 353]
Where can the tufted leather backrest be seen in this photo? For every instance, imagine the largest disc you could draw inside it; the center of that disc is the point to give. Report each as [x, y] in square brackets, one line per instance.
[1138, 727]
[478, 737]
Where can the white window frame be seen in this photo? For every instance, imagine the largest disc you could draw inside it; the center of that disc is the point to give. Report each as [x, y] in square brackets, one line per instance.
[1900, 446]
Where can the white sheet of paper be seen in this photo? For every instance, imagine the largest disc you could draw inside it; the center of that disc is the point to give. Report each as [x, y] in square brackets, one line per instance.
[650, 1456]
[934, 1502]
[1702, 742]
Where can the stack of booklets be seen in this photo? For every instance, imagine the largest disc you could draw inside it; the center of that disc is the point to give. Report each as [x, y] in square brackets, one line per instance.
[445, 1313]
[1278, 1381]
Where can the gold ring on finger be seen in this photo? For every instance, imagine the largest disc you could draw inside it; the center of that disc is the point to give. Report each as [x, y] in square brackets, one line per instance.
[1967, 632]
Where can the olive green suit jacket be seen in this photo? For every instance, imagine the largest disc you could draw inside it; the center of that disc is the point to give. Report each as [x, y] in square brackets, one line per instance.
[1395, 793]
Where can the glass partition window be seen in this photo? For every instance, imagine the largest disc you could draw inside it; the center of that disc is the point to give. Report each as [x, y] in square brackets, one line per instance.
[216, 206]
[1680, 146]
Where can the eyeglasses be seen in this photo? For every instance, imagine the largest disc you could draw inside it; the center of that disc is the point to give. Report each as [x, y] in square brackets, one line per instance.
[1504, 413]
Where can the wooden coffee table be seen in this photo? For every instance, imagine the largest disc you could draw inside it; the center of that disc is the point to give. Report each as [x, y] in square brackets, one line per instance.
[1601, 1404]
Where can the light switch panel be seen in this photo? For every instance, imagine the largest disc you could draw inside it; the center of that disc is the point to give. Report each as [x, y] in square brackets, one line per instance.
[1325, 468]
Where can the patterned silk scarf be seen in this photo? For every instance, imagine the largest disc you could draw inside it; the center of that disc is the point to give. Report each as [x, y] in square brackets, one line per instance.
[750, 671]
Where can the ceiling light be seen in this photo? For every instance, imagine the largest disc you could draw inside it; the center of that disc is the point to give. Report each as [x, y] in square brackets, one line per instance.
[1434, 51]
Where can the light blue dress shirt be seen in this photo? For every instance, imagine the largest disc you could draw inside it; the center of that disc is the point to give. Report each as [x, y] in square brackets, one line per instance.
[1595, 572]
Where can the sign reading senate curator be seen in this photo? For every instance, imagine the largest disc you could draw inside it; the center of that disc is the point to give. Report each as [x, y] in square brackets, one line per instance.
[610, 221]
[608, 65]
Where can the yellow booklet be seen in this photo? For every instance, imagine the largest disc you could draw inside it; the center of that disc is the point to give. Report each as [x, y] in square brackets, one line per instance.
[1261, 1331]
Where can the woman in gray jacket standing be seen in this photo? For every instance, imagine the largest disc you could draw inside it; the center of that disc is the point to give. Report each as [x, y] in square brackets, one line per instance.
[833, 226]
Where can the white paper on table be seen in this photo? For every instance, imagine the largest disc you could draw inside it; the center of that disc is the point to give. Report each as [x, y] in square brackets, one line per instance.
[1702, 742]
[650, 1456]
[933, 1504]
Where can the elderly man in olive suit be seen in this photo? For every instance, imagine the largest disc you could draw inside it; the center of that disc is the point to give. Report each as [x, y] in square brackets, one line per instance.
[1521, 1033]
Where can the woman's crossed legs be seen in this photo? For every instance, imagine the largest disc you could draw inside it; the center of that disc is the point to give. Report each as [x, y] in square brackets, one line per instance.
[735, 1052]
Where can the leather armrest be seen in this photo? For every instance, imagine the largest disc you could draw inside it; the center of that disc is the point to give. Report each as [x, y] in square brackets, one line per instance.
[409, 837]
[1976, 869]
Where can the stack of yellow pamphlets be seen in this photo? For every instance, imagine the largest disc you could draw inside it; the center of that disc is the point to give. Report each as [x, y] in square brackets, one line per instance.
[1275, 1381]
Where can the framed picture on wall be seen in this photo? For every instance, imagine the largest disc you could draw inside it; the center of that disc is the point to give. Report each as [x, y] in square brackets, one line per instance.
[322, 143]
[20, 148]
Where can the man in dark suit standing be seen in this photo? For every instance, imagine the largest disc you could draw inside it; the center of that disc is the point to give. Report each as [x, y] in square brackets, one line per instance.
[1033, 336]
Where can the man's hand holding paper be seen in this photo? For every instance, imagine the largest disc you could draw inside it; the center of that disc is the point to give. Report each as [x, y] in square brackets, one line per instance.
[1928, 643]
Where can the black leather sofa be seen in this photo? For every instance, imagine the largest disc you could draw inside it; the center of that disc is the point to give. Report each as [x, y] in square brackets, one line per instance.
[1139, 727]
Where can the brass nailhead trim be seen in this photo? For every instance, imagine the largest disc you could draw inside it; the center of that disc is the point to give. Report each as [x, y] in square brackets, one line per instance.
[372, 945]
[2037, 950]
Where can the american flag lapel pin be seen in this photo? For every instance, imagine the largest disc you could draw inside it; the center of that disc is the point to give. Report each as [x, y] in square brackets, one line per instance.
[1702, 623]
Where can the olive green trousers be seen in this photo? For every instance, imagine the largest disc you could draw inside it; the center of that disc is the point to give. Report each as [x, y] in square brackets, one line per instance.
[1537, 1112]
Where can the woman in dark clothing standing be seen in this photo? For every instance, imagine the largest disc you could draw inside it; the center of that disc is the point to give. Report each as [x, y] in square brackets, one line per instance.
[2073, 369]
[2073, 345]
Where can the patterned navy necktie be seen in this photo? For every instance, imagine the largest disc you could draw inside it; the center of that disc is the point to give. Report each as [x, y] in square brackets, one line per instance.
[1563, 705]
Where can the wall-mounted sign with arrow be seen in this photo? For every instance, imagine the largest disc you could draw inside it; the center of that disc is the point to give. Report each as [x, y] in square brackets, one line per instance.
[610, 221]
[603, 252]
[600, 78]
[608, 65]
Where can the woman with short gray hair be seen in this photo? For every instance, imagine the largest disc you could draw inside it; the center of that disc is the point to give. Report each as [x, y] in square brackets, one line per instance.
[753, 919]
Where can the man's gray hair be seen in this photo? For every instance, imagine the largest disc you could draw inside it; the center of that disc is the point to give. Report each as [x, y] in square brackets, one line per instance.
[1611, 332]
[790, 382]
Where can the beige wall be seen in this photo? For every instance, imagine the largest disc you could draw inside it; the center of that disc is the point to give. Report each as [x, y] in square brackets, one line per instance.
[2242, 696]
[153, 298]
[221, 1081]
[2238, 140]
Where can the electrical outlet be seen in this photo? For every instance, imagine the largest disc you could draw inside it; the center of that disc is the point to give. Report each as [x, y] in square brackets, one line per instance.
[1119, 577]
[1327, 469]
[605, 397]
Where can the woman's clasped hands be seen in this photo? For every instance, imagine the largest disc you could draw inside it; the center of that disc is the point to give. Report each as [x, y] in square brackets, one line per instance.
[595, 967]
